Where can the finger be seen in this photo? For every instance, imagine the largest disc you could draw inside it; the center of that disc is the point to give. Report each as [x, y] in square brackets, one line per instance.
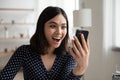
[88, 45]
[75, 49]
[72, 53]
[75, 57]
[79, 46]
[84, 43]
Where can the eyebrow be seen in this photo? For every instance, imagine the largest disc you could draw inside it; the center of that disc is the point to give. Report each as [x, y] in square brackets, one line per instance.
[52, 22]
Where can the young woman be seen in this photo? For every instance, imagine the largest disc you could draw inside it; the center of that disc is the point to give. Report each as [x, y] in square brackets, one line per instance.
[48, 56]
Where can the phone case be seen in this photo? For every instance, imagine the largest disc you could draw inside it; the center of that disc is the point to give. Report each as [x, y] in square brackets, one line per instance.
[84, 32]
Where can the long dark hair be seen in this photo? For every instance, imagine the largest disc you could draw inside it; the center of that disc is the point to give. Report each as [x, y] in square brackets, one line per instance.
[38, 41]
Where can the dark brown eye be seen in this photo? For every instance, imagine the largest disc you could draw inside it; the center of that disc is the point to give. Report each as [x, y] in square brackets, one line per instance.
[52, 26]
[64, 27]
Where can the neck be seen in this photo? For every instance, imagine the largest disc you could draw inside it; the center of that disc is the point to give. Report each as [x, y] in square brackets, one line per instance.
[50, 54]
[50, 51]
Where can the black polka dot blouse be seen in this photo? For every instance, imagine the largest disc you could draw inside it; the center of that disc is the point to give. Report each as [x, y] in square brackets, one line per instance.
[33, 68]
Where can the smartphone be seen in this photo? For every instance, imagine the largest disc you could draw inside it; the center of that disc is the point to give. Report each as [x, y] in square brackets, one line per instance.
[84, 32]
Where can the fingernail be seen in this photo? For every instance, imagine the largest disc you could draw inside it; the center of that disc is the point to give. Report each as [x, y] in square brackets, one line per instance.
[81, 34]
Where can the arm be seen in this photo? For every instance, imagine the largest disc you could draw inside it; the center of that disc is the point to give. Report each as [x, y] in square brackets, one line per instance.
[13, 65]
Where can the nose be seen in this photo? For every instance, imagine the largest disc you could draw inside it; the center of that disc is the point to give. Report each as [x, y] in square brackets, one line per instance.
[59, 30]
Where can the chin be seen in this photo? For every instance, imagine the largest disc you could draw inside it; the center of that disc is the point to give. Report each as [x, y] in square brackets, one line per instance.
[56, 46]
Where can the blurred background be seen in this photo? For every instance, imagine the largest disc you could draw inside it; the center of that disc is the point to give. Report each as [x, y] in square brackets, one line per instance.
[18, 20]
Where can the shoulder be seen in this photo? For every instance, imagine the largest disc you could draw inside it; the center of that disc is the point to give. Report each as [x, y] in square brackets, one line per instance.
[23, 48]
[21, 52]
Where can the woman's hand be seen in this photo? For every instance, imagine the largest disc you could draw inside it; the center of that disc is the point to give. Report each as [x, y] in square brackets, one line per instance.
[81, 54]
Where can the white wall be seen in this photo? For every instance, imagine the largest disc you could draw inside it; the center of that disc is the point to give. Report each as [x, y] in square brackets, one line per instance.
[20, 18]
[102, 59]
[95, 69]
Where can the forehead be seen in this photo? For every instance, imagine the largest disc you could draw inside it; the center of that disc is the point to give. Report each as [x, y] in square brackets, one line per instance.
[59, 19]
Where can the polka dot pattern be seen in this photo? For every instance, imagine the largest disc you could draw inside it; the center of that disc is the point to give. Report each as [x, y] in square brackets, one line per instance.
[34, 69]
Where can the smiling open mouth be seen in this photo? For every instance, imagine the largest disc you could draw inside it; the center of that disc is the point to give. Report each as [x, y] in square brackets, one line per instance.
[56, 39]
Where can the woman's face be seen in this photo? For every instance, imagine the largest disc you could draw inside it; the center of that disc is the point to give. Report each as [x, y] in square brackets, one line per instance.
[55, 30]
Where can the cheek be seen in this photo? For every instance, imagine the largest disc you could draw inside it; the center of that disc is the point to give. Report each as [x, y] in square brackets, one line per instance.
[64, 33]
[48, 34]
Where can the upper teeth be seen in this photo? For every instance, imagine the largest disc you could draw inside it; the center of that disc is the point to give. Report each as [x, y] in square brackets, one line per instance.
[56, 37]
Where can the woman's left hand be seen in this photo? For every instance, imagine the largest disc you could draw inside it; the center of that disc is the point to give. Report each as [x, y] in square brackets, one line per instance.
[81, 55]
